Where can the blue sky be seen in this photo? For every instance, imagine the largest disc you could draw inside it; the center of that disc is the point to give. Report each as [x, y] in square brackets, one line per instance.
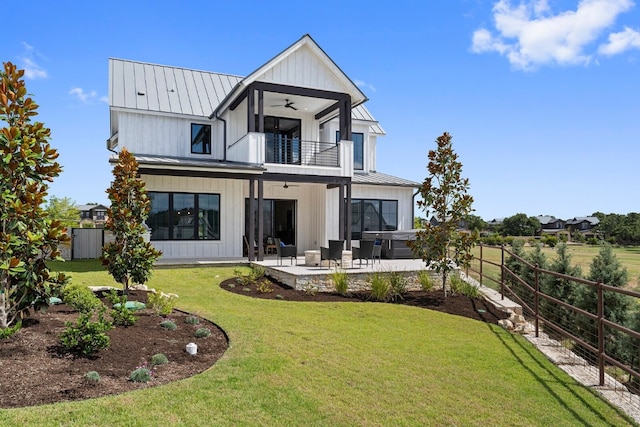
[542, 98]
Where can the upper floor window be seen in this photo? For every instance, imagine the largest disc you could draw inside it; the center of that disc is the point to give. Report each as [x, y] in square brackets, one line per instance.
[200, 138]
[358, 149]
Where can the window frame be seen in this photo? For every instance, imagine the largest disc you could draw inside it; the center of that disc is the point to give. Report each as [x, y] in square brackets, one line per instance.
[205, 141]
[360, 145]
[356, 234]
[195, 224]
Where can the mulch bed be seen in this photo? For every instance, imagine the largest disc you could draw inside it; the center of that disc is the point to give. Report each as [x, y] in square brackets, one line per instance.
[35, 369]
[473, 308]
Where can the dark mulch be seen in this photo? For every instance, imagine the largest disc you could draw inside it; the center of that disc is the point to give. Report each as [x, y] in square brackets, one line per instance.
[473, 308]
[35, 369]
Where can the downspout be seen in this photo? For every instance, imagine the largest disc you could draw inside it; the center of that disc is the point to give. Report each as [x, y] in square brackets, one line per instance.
[224, 135]
[413, 210]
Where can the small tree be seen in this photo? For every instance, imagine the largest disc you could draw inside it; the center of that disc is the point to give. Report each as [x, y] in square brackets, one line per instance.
[560, 288]
[129, 258]
[444, 193]
[63, 209]
[28, 236]
[605, 268]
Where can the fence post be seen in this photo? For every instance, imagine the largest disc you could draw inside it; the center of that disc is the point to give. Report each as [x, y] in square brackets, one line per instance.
[481, 262]
[536, 298]
[502, 272]
[601, 332]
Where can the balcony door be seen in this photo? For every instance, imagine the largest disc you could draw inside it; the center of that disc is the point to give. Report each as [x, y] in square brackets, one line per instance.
[282, 137]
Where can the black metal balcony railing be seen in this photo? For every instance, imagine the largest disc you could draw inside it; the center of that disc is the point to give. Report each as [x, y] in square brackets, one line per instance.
[294, 151]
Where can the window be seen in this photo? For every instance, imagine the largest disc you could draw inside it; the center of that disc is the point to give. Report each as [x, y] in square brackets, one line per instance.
[184, 216]
[373, 215]
[100, 215]
[200, 138]
[358, 149]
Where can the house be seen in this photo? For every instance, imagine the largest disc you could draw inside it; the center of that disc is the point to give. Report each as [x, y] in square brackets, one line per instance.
[585, 225]
[287, 152]
[92, 215]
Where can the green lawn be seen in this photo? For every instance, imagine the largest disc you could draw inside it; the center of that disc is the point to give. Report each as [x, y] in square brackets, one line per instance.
[338, 364]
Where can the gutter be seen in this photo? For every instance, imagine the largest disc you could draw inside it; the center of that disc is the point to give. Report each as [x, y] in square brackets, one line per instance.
[224, 134]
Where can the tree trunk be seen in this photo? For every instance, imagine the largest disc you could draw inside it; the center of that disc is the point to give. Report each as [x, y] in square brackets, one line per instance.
[3, 312]
[444, 283]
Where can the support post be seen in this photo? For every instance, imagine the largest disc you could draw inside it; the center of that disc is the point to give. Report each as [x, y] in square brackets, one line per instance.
[252, 219]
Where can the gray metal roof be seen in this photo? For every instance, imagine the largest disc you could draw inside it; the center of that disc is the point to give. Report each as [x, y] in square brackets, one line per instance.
[166, 89]
[182, 162]
[377, 178]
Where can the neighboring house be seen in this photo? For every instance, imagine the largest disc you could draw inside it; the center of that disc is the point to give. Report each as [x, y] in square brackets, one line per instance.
[584, 224]
[495, 223]
[92, 215]
[435, 221]
[288, 151]
[551, 225]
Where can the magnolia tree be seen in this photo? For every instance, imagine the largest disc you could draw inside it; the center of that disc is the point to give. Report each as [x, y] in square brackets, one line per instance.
[28, 235]
[444, 195]
[129, 258]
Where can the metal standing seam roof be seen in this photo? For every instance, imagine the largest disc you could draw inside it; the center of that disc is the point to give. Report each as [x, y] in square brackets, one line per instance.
[166, 89]
[377, 178]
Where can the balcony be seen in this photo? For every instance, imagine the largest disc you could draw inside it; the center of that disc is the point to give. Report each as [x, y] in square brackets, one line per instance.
[294, 151]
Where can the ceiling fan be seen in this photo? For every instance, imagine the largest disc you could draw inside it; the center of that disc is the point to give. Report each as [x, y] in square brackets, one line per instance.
[285, 186]
[287, 104]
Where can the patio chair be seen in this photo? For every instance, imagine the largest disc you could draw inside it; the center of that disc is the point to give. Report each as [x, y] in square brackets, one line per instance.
[377, 251]
[365, 251]
[248, 248]
[286, 251]
[332, 253]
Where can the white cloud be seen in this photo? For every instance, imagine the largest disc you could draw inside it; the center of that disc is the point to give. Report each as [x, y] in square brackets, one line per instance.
[361, 84]
[32, 70]
[82, 95]
[621, 42]
[530, 34]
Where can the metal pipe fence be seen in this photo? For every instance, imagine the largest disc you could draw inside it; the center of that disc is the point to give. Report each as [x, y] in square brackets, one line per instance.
[577, 313]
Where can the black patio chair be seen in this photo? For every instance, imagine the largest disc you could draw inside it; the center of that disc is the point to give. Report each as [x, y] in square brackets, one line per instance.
[364, 252]
[332, 253]
[286, 251]
[377, 251]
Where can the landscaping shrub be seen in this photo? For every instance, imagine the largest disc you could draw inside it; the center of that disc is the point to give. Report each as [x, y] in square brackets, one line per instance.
[10, 330]
[257, 272]
[86, 337]
[169, 324]
[120, 314]
[341, 281]
[142, 374]
[92, 377]
[80, 298]
[459, 286]
[162, 304]
[379, 287]
[191, 320]
[159, 359]
[264, 286]
[203, 333]
[397, 285]
[426, 282]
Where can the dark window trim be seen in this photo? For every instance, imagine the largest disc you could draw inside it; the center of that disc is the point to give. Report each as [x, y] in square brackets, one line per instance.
[206, 145]
[196, 217]
[357, 234]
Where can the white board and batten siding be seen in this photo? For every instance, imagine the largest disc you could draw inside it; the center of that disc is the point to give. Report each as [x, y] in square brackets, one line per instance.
[162, 135]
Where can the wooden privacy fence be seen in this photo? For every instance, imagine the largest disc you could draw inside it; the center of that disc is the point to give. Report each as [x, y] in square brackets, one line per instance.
[605, 342]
